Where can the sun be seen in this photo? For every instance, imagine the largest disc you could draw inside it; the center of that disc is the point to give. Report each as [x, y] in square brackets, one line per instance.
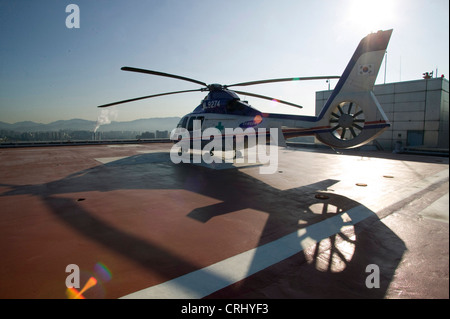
[371, 15]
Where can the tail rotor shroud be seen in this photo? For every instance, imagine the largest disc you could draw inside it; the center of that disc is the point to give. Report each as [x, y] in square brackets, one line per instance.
[347, 120]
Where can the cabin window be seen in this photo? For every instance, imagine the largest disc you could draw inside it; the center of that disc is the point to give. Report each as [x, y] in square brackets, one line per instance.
[190, 126]
[183, 122]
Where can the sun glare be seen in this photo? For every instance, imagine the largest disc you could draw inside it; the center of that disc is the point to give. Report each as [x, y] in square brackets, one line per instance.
[371, 15]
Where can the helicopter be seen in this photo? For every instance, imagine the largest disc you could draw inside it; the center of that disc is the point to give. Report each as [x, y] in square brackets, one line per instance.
[351, 117]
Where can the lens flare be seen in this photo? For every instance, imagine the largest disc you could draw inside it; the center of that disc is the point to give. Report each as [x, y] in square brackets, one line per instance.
[103, 272]
[72, 293]
[257, 119]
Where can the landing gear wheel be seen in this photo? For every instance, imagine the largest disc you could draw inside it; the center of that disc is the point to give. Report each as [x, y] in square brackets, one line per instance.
[347, 121]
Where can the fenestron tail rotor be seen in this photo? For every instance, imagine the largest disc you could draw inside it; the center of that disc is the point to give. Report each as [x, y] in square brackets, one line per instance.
[347, 121]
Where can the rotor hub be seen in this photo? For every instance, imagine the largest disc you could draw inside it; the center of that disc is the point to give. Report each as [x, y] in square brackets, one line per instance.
[215, 87]
[346, 120]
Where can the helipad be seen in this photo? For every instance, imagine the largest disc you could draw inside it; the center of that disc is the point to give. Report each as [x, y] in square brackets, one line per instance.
[145, 227]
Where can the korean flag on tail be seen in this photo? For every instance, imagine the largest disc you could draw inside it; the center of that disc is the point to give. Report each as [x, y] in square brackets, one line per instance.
[365, 69]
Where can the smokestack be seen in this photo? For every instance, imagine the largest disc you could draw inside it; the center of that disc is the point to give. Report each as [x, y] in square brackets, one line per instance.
[106, 116]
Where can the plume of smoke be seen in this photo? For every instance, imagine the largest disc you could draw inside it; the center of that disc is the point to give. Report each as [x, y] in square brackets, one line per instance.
[106, 116]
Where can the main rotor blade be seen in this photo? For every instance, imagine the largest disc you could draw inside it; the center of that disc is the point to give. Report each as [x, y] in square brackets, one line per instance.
[268, 98]
[127, 68]
[148, 96]
[286, 80]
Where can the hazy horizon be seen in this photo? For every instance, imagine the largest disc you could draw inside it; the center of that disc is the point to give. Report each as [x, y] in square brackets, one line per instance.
[94, 121]
[51, 72]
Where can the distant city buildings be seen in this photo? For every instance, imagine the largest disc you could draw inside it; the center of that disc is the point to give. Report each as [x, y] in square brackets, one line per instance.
[81, 135]
[150, 135]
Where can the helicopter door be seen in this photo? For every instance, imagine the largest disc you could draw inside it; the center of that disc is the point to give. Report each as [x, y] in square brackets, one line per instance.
[201, 119]
[190, 125]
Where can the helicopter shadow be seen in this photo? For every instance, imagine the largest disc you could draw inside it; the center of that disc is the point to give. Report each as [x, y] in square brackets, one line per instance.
[302, 273]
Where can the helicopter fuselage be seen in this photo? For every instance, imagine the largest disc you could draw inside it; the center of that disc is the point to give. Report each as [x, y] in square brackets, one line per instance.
[237, 122]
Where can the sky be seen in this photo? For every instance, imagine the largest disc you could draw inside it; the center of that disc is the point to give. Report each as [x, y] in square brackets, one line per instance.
[50, 72]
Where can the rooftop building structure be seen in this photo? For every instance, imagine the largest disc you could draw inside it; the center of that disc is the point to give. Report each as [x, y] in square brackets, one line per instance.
[417, 110]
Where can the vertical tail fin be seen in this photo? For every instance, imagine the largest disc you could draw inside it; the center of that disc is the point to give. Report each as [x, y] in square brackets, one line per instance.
[362, 70]
[352, 112]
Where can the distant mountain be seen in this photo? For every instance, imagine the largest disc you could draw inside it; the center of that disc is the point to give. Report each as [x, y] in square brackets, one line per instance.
[142, 125]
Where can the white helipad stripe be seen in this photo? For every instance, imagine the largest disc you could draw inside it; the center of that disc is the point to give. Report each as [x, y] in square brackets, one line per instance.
[205, 281]
[438, 210]
[106, 160]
